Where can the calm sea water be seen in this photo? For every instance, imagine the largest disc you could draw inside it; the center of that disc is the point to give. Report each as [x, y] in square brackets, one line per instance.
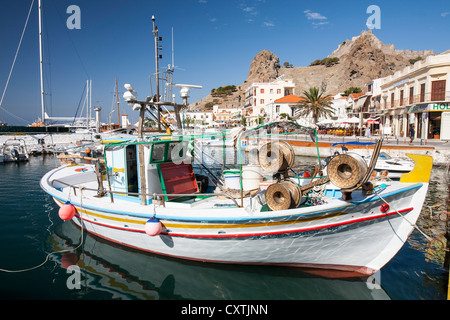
[30, 229]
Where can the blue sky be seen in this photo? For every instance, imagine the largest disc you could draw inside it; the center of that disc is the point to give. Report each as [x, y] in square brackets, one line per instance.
[215, 42]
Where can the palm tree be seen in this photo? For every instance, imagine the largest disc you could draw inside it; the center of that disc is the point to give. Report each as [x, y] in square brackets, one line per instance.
[314, 103]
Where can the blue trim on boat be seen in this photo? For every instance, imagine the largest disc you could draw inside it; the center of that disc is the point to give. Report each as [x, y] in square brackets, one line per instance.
[375, 197]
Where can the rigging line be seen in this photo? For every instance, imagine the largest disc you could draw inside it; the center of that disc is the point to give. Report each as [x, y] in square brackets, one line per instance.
[79, 103]
[15, 58]
[71, 40]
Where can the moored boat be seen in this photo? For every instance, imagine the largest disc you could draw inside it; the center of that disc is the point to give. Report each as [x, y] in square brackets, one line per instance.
[15, 150]
[166, 213]
[145, 194]
[392, 167]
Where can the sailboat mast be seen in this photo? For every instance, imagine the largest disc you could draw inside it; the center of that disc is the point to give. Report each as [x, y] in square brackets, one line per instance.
[90, 103]
[41, 58]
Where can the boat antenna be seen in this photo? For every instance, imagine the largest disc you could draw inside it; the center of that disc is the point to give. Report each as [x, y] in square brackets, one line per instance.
[157, 57]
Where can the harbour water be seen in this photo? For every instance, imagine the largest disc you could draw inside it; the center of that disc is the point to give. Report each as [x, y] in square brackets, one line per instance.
[90, 268]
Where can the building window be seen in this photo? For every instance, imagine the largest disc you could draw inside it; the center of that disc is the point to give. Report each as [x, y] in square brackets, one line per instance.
[262, 91]
[411, 95]
[271, 91]
[277, 109]
[392, 99]
[422, 92]
[292, 111]
[401, 97]
[261, 101]
[438, 90]
[278, 91]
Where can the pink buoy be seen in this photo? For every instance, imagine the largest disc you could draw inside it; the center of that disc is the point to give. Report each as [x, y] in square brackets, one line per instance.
[153, 227]
[67, 211]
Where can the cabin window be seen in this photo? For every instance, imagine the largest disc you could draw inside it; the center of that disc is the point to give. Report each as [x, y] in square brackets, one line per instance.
[158, 152]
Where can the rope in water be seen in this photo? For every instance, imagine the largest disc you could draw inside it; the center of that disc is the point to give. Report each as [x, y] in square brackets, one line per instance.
[55, 252]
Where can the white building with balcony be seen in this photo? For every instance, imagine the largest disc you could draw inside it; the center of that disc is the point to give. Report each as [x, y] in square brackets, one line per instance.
[419, 96]
[259, 96]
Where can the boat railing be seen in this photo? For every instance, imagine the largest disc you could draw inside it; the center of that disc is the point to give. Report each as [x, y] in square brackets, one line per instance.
[153, 196]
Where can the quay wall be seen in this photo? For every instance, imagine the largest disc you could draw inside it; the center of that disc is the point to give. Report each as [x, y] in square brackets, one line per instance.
[440, 153]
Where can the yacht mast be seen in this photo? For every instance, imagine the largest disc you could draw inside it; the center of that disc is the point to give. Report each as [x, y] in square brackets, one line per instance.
[41, 58]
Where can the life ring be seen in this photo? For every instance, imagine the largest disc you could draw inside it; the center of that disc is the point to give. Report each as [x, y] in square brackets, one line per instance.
[346, 170]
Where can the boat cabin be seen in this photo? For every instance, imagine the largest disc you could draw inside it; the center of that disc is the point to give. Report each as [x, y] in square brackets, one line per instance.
[167, 166]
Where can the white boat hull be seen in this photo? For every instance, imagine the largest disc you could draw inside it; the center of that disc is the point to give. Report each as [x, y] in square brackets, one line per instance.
[353, 237]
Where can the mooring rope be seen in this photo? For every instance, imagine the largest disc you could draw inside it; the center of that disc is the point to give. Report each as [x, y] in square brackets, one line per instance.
[412, 224]
[55, 252]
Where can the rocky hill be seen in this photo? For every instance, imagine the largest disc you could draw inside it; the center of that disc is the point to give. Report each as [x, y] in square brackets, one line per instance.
[361, 59]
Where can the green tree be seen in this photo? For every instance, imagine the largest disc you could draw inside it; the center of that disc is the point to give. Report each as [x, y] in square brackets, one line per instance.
[329, 62]
[412, 61]
[285, 115]
[352, 90]
[315, 103]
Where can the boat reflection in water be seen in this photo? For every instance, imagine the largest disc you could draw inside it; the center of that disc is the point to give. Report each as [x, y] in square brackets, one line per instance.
[129, 274]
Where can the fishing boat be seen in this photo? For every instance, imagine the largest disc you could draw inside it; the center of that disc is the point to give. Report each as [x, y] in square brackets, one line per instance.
[346, 227]
[147, 194]
[15, 150]
[393, 167]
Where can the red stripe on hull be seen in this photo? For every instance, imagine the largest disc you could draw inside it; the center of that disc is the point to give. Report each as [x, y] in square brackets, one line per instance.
[323, 270]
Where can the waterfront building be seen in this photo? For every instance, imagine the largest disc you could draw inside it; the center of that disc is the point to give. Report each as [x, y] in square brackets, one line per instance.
[341, 106]
[259, 96]
[226, 116]
[199, 119]
[418, 96]
[285, 105]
